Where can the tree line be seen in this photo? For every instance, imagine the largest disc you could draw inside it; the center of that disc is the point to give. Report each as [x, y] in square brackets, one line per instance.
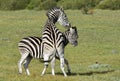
[66, 4]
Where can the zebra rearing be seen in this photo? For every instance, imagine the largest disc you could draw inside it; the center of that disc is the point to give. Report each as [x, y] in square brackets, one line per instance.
[52, 38]
[51, 45]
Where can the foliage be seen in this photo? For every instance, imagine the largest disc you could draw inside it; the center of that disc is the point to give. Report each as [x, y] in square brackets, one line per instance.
[66, 4]
[109, 4]
[78, 4]
[42, 4]
[47, 4]
[13, 4]
[33, 4]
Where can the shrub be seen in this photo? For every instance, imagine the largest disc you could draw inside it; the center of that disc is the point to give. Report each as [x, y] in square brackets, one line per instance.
[109, 4]
[77, 4]
[47, 4]
[70, 4]
[33, 4]
[13, 4]
[42, 4]
[66, 4]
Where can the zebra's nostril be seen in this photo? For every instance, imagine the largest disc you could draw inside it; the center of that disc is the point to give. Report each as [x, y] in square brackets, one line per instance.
[68, 25]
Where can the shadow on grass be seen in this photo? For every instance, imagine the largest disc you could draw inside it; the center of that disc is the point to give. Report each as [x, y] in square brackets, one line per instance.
[88, 73]
[96, 72]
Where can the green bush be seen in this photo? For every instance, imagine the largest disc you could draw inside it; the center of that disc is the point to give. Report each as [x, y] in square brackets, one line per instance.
[34, 4]
[47, 4]
[66, 4]
[77, 4]
[13, 4]
[42, 4]
[109, 4]
[93, 3]
[70, 4]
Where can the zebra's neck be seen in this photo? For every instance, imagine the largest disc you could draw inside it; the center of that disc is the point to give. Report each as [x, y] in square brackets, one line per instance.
[66, 41]
[48, 24]
[50, 21]
[53, 20]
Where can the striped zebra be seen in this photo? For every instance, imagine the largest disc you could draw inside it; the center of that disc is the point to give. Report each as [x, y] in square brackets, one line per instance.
[50, 46]
[31, 47]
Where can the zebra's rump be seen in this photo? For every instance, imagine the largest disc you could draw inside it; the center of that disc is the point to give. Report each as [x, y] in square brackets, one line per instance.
[32, 45]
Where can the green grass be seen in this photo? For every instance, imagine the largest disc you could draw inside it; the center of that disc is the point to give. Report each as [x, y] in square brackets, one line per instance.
[99, 41]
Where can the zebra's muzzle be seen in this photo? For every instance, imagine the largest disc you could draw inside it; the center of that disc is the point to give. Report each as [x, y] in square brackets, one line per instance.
[75, 43]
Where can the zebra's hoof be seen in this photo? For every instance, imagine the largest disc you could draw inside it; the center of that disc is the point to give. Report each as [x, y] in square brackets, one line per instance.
[20, 73]
[69, 73]
[42, 75]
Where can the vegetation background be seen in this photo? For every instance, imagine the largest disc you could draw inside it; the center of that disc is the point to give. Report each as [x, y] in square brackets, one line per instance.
[66, 4]
[96, 58]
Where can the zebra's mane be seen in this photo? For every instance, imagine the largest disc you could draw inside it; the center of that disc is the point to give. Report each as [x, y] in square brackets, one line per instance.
[54, 13]
[54, 10]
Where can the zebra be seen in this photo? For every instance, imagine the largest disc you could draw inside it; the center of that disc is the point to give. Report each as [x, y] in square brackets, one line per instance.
[31, 47]
[52, 41]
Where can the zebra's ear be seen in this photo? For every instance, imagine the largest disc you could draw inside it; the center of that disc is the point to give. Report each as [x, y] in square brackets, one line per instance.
[72, 30]
[74, 27]
[61, 8]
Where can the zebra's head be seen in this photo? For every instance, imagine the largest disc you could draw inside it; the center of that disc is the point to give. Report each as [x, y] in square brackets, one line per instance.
[58, 15]
[73, 36]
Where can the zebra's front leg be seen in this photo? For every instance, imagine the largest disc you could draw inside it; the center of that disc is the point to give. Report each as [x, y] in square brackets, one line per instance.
[68, 67]
[62, 65]
[52, 66]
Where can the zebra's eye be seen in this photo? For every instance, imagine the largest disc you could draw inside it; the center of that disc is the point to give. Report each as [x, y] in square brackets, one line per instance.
[65, 16]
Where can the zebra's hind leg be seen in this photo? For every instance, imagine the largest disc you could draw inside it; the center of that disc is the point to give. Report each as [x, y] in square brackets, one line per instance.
[26, 63]
[68, 67]
[23, 57]
[46, 57]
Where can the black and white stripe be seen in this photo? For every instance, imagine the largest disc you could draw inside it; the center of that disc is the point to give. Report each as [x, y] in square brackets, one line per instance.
[32, 45]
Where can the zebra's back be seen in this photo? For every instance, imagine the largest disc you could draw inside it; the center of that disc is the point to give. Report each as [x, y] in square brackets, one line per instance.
[52, 37]
[31, 45]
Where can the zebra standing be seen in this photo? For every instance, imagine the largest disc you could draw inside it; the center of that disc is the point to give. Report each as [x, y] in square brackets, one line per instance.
[30, 47]
[48, 47]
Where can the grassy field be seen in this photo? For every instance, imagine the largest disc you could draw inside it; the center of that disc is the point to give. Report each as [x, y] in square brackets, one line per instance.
[99, 41]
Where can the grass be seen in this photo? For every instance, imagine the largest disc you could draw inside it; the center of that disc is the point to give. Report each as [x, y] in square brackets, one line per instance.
[99, 41]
